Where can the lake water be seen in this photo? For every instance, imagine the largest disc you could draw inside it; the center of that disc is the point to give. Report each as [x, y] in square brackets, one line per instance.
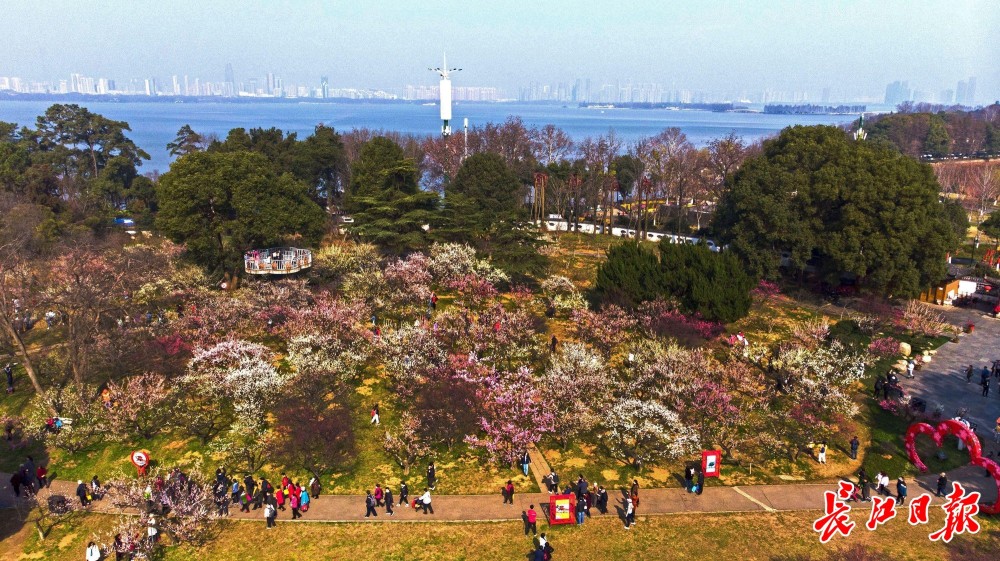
[155, 124]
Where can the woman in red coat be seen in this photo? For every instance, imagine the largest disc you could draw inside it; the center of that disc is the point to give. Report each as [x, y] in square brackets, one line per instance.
[279, 497]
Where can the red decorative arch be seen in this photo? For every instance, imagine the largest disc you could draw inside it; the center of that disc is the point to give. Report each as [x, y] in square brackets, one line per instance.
[963, 432]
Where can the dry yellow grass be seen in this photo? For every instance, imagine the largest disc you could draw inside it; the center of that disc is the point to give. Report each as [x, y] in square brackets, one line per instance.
[765, 537]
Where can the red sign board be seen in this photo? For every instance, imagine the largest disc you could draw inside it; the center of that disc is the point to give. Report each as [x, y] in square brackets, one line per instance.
[140, 459]
[561, 509]
[711, 462]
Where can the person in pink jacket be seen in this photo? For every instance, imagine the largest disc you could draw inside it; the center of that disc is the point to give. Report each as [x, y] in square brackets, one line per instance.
[293, 501]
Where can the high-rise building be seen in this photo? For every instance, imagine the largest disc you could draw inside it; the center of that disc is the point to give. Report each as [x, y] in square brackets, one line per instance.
[230, 76]
[325, 86]
[970, 93]
[177, 85]
[960, 93]
[897, 92]
[270, 83]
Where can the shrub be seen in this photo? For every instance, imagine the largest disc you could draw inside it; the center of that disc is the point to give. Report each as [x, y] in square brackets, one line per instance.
[884, 347]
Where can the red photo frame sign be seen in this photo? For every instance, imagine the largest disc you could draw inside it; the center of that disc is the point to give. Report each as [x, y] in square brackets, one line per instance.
[140, 459]
[711, 462]
[561, 509]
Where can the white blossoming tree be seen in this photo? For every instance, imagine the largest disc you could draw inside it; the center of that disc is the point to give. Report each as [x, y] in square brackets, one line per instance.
[641, 431]
[574, 379]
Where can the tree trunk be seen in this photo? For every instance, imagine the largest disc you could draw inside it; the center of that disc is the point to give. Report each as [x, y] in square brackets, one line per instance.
[25, 358]
[72, 336]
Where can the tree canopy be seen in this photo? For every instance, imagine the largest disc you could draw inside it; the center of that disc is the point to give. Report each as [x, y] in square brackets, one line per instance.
[485, 203]
[384, 197]
[841, 206]
[714, 285]
[222, 204]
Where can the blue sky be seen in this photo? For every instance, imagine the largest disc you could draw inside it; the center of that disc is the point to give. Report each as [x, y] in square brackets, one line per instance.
[806, 45]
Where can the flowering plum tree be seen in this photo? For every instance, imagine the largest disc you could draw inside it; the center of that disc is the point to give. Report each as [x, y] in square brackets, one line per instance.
[405, 443]
[408, 354]
[140, 406]
[514, 414]
[239, 371]
[641, 431]
[605, 330]
[409, 283]
[82, 415]
[327, 339]
[561, 294]
[188, 510]
[506, 338]
[573, 380]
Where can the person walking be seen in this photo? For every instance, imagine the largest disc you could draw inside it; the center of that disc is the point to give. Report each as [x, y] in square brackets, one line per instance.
[525, 462]
[8, 370]
[879, 383]
[388, 501]
[93, 552]
[379, 494]
[900, 491]
[404, 494]
[553, 482]
[863, 484]
[968, 374]
[304, 500]
[629, 513]
[425, 501]
[508, 493]
[270, 513]
[293, 501]
[279, 498]
[701, 483]
[883, 484]
[602, 499]
[42, 475]
[942, 485]
[532, 521]
[431, 476]
[986, 387]
[910, 366]
[315, 487]
[369, 505]
[375, 420]
[581, 511]
[821, 456]
[582, 487]
[688, 478]
[82, 493]
[855, 444]
[633, 493]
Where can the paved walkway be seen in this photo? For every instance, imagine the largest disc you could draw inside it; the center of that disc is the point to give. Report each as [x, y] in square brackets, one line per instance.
[942, 381]
[458, 508]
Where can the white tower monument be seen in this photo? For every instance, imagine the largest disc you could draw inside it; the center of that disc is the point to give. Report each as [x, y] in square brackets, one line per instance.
[445, 91]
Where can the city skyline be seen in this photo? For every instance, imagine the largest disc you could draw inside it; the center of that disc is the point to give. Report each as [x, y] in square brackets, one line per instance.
[582, 90]
[851, 49]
